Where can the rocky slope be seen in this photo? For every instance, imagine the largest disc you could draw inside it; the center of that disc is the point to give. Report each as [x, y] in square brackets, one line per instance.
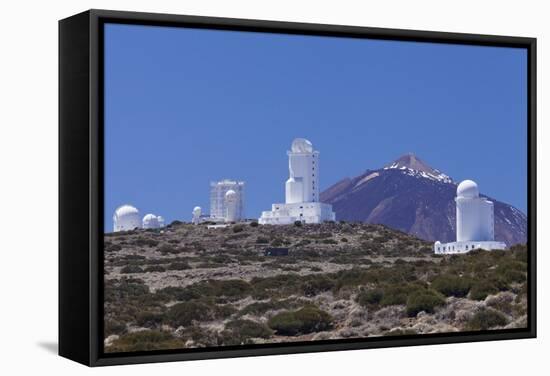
[410, 196]
[189, 286]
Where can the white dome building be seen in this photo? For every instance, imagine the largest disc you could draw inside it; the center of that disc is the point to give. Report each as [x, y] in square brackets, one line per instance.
[475, 223]
[150, 221]
[231, 199]
[126, 218]
[467, 189]
[301, 189]
[197, 211]
[301, 145]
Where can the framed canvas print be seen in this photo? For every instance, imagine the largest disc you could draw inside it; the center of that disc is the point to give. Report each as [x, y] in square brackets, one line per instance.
[239, 187]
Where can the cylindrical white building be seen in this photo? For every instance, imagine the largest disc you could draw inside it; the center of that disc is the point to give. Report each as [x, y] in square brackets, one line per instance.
[218, 190]
[150, 221]
[197, 211]
[474, 214]
[231, 201]
[303, 165]
[126, 218]
[161, 221]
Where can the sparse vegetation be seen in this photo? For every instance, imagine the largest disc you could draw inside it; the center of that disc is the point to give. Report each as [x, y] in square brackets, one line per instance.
[486, 319]
[450, 285]
[145, 341]
[306, 320]
[423, 300]
[129, 269]
[215, 287]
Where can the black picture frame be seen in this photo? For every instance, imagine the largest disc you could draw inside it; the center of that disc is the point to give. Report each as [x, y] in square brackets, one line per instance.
[81, 185]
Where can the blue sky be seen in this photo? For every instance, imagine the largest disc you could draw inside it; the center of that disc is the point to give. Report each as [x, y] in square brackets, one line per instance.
[187, 106]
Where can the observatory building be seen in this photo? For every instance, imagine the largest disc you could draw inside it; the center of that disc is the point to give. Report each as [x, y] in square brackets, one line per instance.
[475, 223]
[219, 200]
[301, 189]
[197, 211]
[152, 221]
[126, 218]
[231, 206]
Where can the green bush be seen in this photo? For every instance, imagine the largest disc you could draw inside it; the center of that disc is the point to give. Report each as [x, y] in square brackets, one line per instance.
[486, 319]
[254, 224]
[481, 289]
[178, 266]
[239, 332]
[306, 320]
[423, 300]
[143, 241]
[316, 284]
[183, 314]
[238, 228]
[277, 242]
[168, 249]
[154, 269]
[110, 247]
[146, 340]
[329, 241]
[148, 319]
[298, 223]
[450, 285]
[370, 297]
[113, 327]
[262, 240]
[398, 294]
[129, 269]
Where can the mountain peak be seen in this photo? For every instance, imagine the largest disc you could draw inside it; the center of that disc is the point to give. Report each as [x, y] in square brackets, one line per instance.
[410, 163]
[410, 160]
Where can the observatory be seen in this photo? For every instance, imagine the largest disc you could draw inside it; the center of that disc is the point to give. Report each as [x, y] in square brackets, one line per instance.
[126, 218]
[231, 205]
[218, 200]
[475, 223]
[301, 189]
[152, 221]
[197, 211]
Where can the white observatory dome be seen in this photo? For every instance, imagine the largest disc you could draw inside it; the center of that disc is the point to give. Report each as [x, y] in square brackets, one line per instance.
[301, 145]
[150, 221]
[126, 218]
[197, 210]
[467, 189]
[231, 196]
[438, 243]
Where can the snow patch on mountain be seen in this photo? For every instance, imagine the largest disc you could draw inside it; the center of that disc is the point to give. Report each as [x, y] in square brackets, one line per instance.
[435, 175]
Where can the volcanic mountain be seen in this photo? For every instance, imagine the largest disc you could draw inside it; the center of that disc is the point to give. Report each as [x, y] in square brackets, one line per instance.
[415, 198]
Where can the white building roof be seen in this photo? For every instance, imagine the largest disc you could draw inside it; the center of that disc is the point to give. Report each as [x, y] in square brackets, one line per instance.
[467, 189]
[301, 145]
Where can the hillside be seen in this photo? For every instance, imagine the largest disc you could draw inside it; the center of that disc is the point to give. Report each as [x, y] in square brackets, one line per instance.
[410, 196]
[189, 286]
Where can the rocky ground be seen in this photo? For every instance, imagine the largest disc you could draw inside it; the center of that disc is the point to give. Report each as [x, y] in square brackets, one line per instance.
[189, 286]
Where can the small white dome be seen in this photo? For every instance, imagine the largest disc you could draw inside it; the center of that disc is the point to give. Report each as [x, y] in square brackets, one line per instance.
[150, 221]
[197, 209]
[149, 217]
[231, 195]
[467, 189]
[301, 145]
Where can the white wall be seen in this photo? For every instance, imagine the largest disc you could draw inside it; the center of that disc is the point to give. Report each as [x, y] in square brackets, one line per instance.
[28, 151]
